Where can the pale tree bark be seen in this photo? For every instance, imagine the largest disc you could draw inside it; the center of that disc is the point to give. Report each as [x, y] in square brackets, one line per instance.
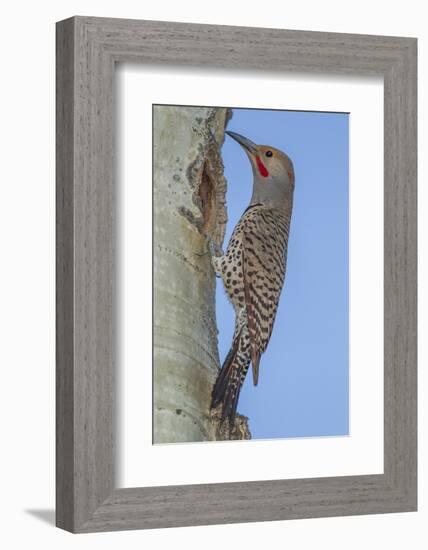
[189, 203]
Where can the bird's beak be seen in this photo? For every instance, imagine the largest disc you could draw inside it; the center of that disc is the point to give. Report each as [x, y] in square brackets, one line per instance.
[246, 143]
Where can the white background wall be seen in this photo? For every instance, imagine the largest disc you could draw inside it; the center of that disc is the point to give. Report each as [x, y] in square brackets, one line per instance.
[27, 273]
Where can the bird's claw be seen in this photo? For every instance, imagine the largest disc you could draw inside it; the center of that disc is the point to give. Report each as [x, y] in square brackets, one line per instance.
[210, 247]
[215, 249]
[205, 249]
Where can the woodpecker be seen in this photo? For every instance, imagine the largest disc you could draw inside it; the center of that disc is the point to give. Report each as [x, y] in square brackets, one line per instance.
[253, 268]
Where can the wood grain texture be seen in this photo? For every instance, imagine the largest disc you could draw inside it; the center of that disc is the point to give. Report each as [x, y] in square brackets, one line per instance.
[87, 49]
[64, 277]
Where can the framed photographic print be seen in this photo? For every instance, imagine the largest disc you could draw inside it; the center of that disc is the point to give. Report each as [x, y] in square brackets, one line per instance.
[236, 274]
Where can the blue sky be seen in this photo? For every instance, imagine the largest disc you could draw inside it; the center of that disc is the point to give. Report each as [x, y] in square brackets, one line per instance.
[304, 374]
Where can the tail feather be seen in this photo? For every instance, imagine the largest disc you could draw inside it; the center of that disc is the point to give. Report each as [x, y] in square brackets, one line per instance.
[229, 381]
[224, 375]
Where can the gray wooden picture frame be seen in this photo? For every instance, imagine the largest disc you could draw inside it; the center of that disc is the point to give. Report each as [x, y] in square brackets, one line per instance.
[87, 50]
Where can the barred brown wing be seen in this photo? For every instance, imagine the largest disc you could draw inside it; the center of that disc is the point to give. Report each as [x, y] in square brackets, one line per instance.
[265, 235]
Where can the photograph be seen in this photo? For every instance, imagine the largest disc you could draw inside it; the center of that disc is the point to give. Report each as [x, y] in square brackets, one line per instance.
[260, 291]
[210, 250]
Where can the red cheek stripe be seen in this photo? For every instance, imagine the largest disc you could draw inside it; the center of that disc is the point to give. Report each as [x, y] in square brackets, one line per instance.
[262, 168]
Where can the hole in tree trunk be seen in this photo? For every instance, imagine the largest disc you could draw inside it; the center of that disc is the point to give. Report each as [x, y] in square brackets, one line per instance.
[207, 197]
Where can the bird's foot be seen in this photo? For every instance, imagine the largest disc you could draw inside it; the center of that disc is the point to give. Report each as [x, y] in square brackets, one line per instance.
[210, 247]
[215, 251]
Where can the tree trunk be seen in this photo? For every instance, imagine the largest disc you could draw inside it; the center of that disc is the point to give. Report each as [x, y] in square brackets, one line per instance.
[189, 203]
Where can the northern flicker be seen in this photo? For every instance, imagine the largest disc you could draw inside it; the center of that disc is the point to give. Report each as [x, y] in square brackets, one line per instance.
[253, 268]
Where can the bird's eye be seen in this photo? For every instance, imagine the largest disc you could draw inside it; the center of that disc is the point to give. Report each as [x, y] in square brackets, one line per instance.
[269, 153]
